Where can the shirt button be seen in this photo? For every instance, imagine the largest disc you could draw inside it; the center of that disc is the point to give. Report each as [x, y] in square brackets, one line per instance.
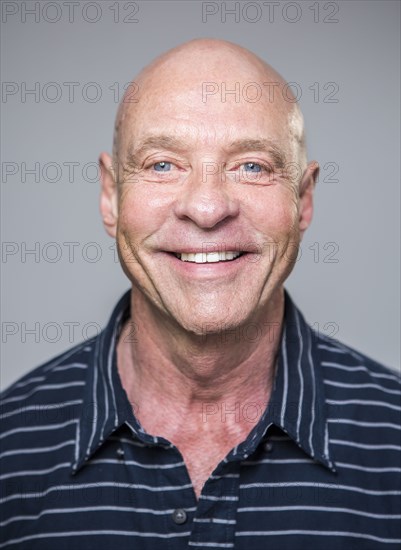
[120, 453]
[267, 447]
[179, 516]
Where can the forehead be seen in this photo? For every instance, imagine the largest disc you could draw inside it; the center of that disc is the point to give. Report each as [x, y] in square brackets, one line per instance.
[185, 115]
[213, 104]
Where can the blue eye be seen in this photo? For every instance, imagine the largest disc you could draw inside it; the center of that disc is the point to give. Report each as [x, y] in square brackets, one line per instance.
[162, 166]
[252, 167]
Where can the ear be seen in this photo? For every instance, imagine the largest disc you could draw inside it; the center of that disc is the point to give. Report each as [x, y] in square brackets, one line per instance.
[109, 195]
[306, 189]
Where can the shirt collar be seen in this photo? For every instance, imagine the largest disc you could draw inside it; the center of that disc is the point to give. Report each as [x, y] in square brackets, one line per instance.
[297, 404]
[103, 410]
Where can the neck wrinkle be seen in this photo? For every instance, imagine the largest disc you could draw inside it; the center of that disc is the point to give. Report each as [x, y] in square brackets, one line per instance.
[186, 372]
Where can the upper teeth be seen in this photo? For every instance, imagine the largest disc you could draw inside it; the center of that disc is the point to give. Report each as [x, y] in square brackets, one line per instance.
[207, 257]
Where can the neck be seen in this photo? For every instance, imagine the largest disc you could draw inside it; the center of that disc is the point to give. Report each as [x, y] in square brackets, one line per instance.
[161, 365]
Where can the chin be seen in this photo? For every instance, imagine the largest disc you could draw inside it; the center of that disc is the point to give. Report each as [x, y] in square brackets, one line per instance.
[206, 321]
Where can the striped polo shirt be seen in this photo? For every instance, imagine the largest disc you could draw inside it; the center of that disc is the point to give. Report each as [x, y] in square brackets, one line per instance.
[320, 470]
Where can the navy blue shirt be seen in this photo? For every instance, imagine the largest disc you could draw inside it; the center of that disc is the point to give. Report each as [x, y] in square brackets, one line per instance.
[321, 469]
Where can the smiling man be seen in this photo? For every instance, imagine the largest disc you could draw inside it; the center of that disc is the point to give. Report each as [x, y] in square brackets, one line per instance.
[175, 427]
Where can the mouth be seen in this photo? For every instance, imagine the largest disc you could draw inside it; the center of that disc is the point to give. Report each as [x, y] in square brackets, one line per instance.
[208, 257]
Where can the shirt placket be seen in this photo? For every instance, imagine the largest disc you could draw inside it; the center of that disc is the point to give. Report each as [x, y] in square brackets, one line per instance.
[215, 518]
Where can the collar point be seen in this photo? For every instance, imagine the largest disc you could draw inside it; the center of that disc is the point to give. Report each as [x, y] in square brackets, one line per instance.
[77, 464]
[326, 461]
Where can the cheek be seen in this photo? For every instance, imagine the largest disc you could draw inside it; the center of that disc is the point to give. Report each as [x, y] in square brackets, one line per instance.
[141, 212]
[276, 214]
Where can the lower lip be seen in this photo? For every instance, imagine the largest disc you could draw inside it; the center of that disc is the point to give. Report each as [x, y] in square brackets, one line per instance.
[210, 268]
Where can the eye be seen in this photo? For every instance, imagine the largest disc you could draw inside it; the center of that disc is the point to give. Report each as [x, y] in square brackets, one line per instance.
[162, 166]
[252, 167]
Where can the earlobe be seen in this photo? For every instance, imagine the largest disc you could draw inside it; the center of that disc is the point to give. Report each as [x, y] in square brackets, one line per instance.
[306, 189]
[108, 197]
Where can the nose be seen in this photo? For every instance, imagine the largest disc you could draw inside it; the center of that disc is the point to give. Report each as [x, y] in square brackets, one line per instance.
[205, 198]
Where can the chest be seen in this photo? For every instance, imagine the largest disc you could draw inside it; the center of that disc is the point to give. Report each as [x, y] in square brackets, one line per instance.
[202, 445]
[200, 465]
[202, 454]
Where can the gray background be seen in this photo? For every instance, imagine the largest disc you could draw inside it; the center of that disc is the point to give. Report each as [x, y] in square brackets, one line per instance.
[61, 295]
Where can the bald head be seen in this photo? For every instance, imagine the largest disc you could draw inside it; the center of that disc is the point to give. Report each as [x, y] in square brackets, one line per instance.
[206, 71]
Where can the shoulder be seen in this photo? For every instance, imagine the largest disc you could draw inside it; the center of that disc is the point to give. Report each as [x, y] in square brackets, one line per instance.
[340, 361]
[356, 386]
[58, 369]
[48, 394]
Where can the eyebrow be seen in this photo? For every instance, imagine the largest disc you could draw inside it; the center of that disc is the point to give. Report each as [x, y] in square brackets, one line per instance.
[243, 145]
[265, 145]
[157, 142]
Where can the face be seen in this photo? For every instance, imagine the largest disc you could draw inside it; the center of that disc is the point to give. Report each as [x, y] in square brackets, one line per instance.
[206, 217]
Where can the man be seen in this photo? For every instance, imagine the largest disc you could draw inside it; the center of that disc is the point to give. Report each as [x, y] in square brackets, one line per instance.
[207, 414]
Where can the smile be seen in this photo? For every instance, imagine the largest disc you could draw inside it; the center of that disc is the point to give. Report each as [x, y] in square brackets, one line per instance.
[208, 257]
